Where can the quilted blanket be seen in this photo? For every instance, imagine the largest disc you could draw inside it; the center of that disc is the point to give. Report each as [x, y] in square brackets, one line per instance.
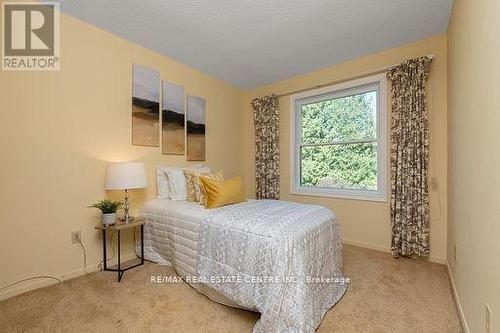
[279, 258]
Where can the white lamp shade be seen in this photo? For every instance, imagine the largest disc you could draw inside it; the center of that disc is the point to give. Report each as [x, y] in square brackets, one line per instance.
[125, 176]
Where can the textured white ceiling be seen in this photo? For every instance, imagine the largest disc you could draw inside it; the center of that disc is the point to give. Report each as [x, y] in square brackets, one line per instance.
[254, 42]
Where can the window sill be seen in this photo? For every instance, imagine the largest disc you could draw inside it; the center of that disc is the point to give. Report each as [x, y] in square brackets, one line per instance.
[336, 194]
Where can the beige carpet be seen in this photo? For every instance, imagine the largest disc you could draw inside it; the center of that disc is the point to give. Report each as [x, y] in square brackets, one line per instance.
[385, 295]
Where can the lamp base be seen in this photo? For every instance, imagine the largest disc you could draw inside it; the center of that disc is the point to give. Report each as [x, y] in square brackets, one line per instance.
[130, 219]
[127, 218]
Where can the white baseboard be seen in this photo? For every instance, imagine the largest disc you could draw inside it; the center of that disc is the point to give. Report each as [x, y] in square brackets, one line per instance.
[366, 245]
[44, 282]
[388, 250]
[461, 314]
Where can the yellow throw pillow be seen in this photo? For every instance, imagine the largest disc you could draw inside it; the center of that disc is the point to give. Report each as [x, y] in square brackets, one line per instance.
[194, 187]
[220, 193]
[201, 195]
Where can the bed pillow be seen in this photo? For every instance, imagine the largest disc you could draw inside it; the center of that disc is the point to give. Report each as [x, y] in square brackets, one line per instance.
[219, 175]
[162, 187]
[198, 168]
[178, 182]
[195, 188]
[221, 193]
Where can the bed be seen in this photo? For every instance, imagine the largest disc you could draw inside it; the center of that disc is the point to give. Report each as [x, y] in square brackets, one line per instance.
[278, 258]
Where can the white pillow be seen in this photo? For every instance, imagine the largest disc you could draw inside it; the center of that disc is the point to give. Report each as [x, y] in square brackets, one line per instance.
[162, 182]
[177, 182]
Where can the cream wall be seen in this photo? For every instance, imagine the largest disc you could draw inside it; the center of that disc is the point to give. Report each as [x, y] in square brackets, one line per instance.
[367, 223]
[474, 179]
[58, 130]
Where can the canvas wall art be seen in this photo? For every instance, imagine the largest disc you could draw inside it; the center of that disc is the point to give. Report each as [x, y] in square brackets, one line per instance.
[195, 128]
[173, 119]
[145, 107]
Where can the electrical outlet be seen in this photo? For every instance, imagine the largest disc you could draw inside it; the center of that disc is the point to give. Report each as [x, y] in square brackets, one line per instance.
[487, 324]
[456, 254]
[76, 237]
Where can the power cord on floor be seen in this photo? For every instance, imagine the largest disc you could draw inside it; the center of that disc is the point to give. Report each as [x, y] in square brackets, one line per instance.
[58, 279]
[31, 278]
[50, 276]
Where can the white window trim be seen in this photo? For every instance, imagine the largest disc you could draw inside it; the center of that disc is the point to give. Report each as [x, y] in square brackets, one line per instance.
[381, 193]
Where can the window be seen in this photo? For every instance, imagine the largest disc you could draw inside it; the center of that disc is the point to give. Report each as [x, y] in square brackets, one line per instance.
[339, 146]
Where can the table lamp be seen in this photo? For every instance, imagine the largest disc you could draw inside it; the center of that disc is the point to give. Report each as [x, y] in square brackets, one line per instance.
[126, 176]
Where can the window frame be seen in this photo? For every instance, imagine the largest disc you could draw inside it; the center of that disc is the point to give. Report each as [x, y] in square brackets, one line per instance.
[336, 91]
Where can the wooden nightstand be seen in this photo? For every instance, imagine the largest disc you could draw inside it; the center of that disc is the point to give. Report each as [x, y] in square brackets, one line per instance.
[118, 227]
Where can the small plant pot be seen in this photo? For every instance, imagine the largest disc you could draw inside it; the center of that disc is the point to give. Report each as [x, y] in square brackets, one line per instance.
[107, 219]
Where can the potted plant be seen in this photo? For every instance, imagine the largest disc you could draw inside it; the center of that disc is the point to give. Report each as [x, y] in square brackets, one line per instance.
[108, 209]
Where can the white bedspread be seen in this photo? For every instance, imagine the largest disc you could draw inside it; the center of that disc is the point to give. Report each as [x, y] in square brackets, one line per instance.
[272, 248]
[289, 244]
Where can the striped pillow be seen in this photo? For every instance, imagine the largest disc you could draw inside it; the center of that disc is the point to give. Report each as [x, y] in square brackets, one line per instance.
[162, 188]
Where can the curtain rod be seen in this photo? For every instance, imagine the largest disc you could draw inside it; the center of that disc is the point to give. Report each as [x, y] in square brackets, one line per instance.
[357, 76]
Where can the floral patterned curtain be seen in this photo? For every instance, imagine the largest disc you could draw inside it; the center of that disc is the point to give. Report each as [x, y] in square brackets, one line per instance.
[409, 159]
[267, 154]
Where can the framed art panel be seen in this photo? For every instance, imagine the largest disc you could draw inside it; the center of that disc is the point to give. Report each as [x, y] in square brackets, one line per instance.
[196, 119]
[173, 131]
[145, 107]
